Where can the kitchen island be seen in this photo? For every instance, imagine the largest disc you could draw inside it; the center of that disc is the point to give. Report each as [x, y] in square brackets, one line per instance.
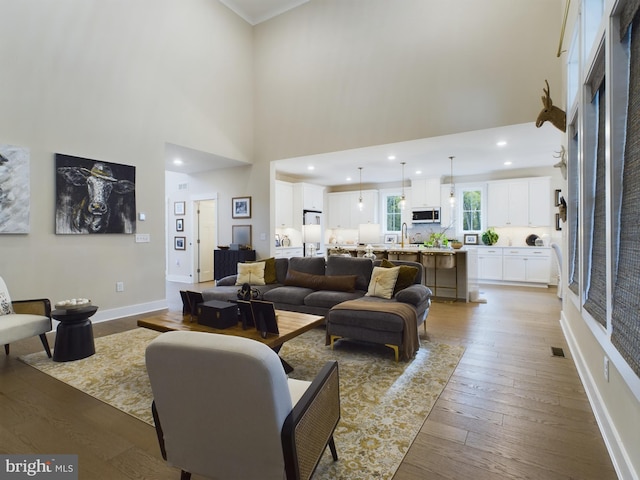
[449, 273]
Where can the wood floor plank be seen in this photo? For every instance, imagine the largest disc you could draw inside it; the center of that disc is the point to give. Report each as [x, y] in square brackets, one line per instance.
[510, 410]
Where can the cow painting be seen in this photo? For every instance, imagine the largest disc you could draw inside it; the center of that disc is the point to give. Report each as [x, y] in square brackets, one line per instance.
[94, 196]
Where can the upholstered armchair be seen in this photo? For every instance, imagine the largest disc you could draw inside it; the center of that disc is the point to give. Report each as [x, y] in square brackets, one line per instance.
[224, 408]
[20, 319]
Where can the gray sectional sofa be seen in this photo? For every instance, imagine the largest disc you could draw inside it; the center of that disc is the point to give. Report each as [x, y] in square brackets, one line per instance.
[300, 287]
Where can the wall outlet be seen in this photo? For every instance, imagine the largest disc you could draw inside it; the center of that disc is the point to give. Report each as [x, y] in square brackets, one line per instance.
[606, 368]
[143, 238]
[119, 286]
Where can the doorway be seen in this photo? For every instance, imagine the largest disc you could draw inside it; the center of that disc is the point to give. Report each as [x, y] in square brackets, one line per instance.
[206, 232]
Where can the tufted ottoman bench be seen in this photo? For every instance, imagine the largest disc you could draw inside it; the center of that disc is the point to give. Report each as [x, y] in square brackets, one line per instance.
[393, 324]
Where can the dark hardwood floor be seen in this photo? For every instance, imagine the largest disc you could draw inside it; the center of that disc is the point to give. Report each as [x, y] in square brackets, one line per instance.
[511, 410]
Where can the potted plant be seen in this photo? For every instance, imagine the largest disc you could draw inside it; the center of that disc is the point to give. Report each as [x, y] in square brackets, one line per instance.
[490, 237]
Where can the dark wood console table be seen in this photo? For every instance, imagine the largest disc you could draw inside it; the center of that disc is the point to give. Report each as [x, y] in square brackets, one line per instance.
[225, 262]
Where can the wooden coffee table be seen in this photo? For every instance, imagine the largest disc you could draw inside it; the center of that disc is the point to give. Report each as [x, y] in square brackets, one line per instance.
[290, 325]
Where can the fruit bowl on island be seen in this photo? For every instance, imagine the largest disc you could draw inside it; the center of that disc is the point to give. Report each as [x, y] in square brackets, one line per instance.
[73, 304]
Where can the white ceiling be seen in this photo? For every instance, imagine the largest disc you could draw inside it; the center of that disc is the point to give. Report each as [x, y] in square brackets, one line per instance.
[256, 11]
[476, 153]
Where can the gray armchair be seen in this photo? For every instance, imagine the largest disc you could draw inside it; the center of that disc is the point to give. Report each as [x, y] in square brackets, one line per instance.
[224, 408]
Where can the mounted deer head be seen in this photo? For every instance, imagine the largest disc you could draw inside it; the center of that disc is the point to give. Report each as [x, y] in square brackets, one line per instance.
[550, 112]
[562, 164]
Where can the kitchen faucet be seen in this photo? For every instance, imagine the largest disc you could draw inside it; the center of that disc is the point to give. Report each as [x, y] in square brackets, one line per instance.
[403, 233]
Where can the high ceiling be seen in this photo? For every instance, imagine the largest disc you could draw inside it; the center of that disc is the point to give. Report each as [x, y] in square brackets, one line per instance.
[256, 11]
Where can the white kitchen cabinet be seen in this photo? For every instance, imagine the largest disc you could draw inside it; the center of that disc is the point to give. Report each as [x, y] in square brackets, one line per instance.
[339, 212]
[425, 192]
[308, 197]
[284, 204]
[490, 263]
[540, 202]
[524, 202]
[527, 264]
[343, 210]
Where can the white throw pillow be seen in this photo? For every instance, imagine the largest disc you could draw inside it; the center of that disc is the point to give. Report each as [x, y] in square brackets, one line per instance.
[5, 299]
[251, 273]
[383, 281]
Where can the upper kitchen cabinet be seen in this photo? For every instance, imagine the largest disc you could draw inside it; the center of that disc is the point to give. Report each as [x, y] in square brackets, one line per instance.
[284, 204]
[524, 202]
[425, 192]
[307, 196]
[344, 211]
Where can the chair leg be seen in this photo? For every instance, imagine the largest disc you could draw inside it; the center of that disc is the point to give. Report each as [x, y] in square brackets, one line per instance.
[45, 344]
[6, 349]
[332, 447]
[185, 475]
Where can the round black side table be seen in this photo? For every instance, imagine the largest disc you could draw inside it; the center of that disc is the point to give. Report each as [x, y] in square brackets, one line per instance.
[74, 335]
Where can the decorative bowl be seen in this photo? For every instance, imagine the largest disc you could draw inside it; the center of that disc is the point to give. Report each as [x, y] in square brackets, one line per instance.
[73, 304]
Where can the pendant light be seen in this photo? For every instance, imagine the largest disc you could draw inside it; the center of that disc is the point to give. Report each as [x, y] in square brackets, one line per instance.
[452, 192]
[360, 204]
[403, 201]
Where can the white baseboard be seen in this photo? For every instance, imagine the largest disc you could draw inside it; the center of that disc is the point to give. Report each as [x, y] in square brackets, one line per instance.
[616, 448]
[180, 278]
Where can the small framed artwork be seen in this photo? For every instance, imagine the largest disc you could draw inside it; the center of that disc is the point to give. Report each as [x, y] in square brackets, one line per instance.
[558, 224]
[241, 235]
[178, 208]
[471, 239]
[556, 197]
[180, 243]
[241, 207]
[390, 238]
[179, 225]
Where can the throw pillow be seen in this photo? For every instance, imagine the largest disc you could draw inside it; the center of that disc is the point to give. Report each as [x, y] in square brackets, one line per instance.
[338, 283]
[5, 299]
[269, 269]
[406, 277]
[251, 273]
[383, 281]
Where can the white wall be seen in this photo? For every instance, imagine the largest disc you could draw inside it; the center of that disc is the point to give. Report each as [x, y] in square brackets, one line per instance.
[114, 81]
[334, 75]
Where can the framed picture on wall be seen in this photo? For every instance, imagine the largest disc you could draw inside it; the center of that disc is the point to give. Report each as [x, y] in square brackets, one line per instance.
[471, 239]
[178, 208]
[391, 238]
[241, 207]
[241, 234]
[179, 225]
[180, 243]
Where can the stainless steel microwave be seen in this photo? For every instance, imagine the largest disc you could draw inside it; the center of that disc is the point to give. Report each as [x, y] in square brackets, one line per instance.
[426, 215]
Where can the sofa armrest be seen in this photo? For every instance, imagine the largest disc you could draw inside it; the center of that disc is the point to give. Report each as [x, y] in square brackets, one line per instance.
[40, 306]
[414, 294]
[227, 281]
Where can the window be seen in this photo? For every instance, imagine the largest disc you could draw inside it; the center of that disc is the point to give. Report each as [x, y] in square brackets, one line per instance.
[471, 210]
[392, 213]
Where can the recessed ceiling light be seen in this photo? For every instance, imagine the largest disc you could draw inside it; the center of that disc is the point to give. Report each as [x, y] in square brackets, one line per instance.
[391, 157]
[418, 172]
[177, 161]
[311, 167]
[501, 143]
[508, 162]
[348, 179]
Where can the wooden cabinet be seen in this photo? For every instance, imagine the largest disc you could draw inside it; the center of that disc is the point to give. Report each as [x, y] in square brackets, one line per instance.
[225, 262]
[490, 263]
[284, 204]
[425, 192]
[522, 202]
[527, 265]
